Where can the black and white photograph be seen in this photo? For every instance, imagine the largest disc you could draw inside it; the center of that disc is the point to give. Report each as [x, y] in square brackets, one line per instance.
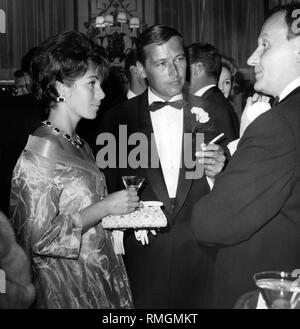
[149, 157]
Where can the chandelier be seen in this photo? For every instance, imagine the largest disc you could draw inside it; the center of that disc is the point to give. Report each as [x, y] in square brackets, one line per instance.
[115, 28]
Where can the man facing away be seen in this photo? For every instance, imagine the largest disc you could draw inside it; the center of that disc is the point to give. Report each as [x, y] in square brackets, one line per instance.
[173, 271]
[137, 83]
[205, 67]
[254, 209]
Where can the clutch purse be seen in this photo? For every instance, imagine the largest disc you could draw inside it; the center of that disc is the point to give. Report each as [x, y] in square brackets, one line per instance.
[149, 216]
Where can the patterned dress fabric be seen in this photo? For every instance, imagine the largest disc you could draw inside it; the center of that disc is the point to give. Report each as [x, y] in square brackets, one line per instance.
[52, 182]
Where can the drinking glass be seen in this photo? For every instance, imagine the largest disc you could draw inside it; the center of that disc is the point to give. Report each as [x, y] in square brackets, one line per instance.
[280, 290]
[133, 182]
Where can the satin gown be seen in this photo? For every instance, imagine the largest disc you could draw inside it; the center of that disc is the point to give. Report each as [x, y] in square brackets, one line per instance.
[51, 183]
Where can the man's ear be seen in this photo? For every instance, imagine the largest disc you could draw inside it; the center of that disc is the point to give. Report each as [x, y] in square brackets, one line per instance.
[196, 69]
[134, 70]
[193, 70]
[141, 69]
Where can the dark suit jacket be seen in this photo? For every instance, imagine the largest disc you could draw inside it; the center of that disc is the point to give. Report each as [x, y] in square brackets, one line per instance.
[215, 96]
[173, 271]
[20, 116]
[254, 207]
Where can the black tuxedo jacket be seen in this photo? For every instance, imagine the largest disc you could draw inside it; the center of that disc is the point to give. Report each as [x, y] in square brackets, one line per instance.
[173, 271]
[20, 116]
[254, 207]
[215, 96]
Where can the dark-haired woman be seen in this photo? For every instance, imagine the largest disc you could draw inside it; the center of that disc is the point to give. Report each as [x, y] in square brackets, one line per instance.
[58, 194]
[227, 80]
[228, 85]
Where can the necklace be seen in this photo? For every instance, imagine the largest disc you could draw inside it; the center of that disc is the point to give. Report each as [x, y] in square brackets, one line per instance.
[76, 141]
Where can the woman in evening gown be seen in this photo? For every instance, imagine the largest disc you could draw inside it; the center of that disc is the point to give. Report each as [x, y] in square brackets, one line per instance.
[58, 194]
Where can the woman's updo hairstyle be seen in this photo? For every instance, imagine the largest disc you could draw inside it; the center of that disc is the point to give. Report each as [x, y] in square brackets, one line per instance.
[64, 57]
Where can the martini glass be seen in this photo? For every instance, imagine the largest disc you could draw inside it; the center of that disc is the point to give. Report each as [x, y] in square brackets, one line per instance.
[133, 182]
[280, 290]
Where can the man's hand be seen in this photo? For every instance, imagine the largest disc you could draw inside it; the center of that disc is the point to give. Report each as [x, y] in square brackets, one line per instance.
[213, 158]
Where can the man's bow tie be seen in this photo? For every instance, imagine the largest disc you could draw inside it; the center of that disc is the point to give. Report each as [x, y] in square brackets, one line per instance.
[159, 105]
[275, 101]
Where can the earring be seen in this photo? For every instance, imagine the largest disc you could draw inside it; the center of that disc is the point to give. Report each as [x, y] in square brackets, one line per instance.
[60, 99]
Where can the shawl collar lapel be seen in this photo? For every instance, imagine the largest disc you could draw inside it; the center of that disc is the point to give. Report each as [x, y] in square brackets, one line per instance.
[184, 184]
[190, 126]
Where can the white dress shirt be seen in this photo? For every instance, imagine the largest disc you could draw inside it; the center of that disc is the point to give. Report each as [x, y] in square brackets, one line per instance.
[130, 94]
[201, 91]
[168, 129]
[289, 88]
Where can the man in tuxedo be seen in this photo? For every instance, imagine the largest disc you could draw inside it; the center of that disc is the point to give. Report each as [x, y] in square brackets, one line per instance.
[204, 68]
[173, 270]
[137, 84]
[253, 210]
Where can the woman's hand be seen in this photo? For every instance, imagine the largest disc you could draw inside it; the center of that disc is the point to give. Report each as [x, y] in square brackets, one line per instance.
[121, 202]
[117, 203]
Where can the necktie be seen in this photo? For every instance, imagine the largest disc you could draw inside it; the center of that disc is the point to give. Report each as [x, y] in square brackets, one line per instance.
[159, 105]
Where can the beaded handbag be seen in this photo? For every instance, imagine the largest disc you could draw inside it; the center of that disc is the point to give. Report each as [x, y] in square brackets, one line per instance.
[148, 216]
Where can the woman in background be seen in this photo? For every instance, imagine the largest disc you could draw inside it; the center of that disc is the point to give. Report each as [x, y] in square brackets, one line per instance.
[58, 194]
[228, 85]
[227, 80]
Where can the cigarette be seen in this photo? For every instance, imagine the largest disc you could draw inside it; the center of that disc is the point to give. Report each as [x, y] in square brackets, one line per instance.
[216, 138]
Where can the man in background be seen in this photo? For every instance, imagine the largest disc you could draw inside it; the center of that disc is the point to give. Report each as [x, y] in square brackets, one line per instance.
[137, 83]
[20, 83]
[204, 67]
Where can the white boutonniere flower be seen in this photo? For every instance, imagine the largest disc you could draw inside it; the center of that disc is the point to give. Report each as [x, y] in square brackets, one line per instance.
[201, 115]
